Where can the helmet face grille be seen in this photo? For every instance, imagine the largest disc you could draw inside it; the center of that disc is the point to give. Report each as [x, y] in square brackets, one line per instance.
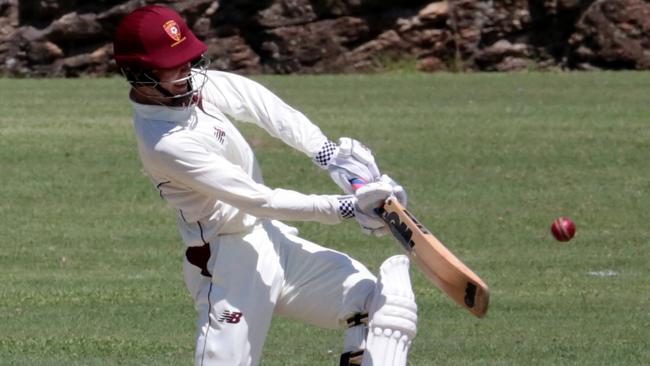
[196, 80]
[155, 37]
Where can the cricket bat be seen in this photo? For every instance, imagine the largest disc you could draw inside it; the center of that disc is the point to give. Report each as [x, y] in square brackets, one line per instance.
[437, 262]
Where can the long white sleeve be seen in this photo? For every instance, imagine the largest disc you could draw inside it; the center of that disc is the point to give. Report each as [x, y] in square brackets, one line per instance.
[248, 101]
[205, 172]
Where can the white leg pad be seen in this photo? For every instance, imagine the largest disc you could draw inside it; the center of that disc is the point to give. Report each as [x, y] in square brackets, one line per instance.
[393, 316]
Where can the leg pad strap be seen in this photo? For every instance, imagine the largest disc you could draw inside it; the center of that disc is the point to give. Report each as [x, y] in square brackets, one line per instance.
[354, 340]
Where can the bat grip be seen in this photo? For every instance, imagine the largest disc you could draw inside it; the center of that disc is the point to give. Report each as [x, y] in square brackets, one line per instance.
[357, 183]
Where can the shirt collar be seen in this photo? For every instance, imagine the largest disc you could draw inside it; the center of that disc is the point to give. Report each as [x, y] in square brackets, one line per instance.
[181, 115]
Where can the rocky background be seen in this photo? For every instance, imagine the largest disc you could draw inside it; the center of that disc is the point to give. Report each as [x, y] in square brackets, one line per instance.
[73, 37]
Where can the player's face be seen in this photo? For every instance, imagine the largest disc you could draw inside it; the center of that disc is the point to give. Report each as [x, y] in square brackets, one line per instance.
[169, 78]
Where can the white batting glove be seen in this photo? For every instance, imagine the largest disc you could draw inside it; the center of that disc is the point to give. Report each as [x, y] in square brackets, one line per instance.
[372, 196]
[398, 190]
[362, 207]
[371, 225]
[347, 160]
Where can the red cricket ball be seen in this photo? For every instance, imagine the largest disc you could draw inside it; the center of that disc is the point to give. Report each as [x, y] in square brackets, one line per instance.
[563, 229]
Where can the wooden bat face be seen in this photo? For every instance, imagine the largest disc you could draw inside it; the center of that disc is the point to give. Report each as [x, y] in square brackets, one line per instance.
[441, 266]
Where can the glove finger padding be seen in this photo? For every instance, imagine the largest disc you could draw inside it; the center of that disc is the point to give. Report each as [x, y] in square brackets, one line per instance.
[371, 225]
[342, 178]
[351, 160]
[372, 196]
[351, 149]
[398, 190]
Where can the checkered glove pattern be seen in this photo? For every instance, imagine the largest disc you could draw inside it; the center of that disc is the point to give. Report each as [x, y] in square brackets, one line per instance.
[361, 207]
[325, 154]
[346, 206]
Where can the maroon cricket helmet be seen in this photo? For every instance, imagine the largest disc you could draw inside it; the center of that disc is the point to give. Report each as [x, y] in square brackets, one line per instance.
[155, 37]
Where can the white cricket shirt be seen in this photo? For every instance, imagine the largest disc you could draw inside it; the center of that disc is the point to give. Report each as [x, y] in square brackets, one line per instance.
[207, 171]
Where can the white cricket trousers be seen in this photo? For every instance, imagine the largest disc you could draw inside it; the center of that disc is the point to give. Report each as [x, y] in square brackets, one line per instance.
[269, 271]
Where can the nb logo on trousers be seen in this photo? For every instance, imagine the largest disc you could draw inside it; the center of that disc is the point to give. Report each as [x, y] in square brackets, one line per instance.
[231, 317]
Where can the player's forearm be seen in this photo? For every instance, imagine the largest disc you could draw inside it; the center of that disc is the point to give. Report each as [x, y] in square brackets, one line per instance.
[289, 205]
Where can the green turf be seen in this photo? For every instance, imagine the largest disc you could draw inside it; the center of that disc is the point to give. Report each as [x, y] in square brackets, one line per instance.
[90, 258]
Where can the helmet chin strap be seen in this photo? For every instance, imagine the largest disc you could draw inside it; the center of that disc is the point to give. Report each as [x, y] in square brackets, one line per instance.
[164, 91]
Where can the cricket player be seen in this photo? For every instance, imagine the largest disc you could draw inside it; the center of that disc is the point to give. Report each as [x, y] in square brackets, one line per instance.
[243, 265]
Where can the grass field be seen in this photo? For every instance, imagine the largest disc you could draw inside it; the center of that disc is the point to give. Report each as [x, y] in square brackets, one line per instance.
[90, 257]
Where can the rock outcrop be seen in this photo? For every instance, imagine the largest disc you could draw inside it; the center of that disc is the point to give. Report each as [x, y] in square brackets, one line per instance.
[73, 37]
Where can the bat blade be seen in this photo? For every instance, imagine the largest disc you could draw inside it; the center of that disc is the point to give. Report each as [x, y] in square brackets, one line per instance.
[437, 262]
